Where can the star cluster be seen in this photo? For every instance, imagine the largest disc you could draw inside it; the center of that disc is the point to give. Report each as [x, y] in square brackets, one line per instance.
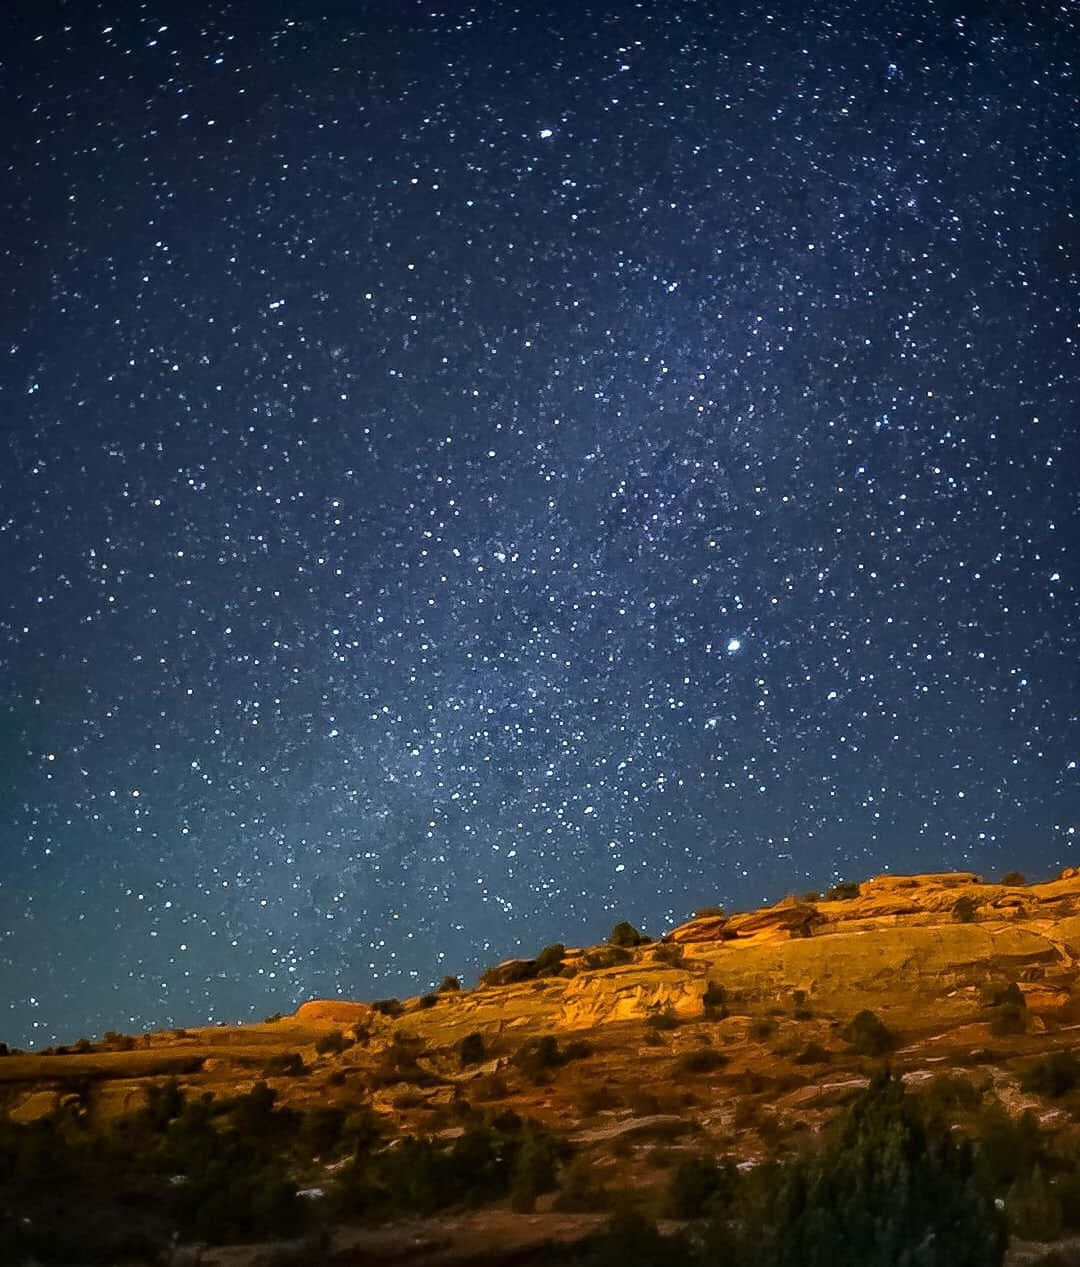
[474, 473]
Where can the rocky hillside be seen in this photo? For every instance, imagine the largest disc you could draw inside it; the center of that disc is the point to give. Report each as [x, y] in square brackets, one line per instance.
[735, 1036]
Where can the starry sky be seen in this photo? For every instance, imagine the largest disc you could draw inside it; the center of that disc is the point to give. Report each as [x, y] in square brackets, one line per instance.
[475, 472]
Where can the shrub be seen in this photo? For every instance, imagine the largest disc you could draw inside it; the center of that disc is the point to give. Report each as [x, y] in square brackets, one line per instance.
[812, 1054]
[1033, 1208]
[535, 1168]
[471, 1049]
[1006, 1148]
[700, 1060]
[624, 934]
[663, 1021]
[509, 973]
[762, 1028]
[398, 1064]
[581, 1191]
[449, 985]
[426, 1001]
[549, 960]
[709, 912]
[964, 908]
[699, 1185]
[285, 1064]
[388, 1007]
[867, 1034]
[1052, 1076]
[1008, 1018]
[597, 1099]
[606, 957]
[715, 1001]
[1016, 878]
[668, 952]
[321, 1131]
[842, 892]
[489, 1086]
[947, 1094]
[537, 1056]
[887, 1187]
[331, 1044]
[811, 895]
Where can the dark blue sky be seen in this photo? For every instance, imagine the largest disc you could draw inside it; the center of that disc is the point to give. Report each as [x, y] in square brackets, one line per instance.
[473, 473]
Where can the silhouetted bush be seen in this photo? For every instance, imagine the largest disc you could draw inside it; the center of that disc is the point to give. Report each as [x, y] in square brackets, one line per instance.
[811, 895]
[842, 892]
[388, 1007]
[663, 1021]
[537, 1056]
[598, 1099]
[471, 1049]
[715, 1001]
[699, 1186]
[549, 960]
[668, 952]
[581, 1191]
[700, 1060]
[332, 1043]
[964, 908]
[761, 1029]
[1015, 878]
[624, 934]
[321, 1132]
[867, 1034]
[1052, 1076]
[888, 1186]
[1033, 1208]
[489, 1086]
[449, 985]
[812, 1054]
[606, 957]
[510, 973]
[285, 1064]
[426, 1001]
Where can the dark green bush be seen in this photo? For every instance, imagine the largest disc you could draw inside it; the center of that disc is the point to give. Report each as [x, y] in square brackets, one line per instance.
[388, 1007]
[699, 1186]
[510, 973]
[581, 1191]
[812, 1054]
[1016, 878]
[606, 957]
[663, 1021]
[715, 1001]
[887, 1187]
[624, 934]
[762, 1028]
[842, 892]
[867, 1034]
[549, 960]
[1053, 1075]
[471, 1049]
[426, 1001]
[285, 1064]
[449, 985]
[700, 1060]
[668, 952]
[1033, 1208]
[964, 908]
[332, 1043]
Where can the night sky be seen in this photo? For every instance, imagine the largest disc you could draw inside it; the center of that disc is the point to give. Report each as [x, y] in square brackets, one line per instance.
[471, 474]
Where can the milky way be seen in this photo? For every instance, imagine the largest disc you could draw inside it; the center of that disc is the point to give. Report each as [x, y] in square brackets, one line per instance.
[472, 474]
